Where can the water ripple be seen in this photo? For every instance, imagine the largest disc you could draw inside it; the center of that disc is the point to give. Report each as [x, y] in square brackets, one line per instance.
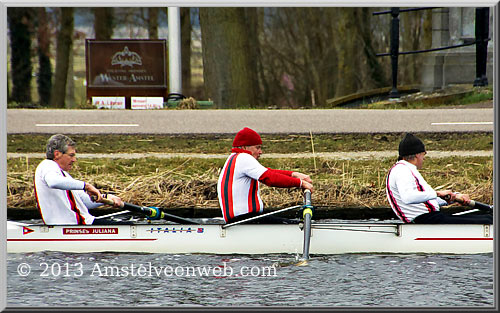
[332, 281]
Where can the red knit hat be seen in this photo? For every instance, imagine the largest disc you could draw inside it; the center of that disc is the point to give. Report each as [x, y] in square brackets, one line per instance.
[247, 137]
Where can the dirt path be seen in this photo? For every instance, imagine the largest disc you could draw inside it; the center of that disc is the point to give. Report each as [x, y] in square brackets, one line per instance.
[361, 155]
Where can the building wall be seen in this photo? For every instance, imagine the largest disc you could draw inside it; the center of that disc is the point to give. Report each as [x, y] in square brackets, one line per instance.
[454, 26]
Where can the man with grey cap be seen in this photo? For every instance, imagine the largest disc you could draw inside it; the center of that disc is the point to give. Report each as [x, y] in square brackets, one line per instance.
[61, 199]
[413, 199]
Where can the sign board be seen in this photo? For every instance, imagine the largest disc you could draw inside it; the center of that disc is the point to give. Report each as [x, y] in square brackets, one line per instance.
[146, 103]
[109, 102]
[126, 63]
[126, 68]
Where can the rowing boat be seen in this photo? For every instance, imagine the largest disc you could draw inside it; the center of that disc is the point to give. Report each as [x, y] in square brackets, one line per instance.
[325, 238]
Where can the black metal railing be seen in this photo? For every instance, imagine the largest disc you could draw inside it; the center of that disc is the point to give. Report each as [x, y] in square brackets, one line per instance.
[481, 42]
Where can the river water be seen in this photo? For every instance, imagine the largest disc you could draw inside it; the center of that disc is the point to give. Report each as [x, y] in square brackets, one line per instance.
[193, 280]
[163, 280]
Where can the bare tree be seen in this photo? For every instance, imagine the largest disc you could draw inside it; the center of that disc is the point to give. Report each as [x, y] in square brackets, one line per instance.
[63, 51]
[299, 58]
[69, 99]
[347, 52]
[44, 78]
[375, 73]
[412, 27]
[153, 22]
[21, 31]
[228, 72]
[103, 23]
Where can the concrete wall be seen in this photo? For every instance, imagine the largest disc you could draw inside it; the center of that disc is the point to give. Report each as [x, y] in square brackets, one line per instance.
[454, 26]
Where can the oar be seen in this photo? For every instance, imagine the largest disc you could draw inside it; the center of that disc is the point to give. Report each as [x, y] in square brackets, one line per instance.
[112, 214]
[307, 213]
[260, 216]
[153, 213]
[481, 206]
[466, 212]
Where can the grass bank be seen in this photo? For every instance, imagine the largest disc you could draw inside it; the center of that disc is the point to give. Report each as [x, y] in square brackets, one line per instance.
[290, 143]
[451, 96]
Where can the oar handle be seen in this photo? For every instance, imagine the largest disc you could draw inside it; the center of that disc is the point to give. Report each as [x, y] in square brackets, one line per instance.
[307, 197]
[150, 212]
[107, 201]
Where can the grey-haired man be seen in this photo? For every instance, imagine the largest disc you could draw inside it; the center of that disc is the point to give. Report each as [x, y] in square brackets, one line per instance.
[61, 199]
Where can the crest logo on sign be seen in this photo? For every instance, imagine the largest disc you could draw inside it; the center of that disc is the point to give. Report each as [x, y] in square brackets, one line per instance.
[126, 58]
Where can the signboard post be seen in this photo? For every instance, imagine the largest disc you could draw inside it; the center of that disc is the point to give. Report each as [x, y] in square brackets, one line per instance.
[125, 68]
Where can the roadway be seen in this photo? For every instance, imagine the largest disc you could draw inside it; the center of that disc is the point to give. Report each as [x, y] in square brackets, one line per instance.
[21, 121]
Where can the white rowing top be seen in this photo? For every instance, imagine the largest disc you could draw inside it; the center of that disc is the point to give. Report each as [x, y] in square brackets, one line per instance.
[60, 198]
[409, 194]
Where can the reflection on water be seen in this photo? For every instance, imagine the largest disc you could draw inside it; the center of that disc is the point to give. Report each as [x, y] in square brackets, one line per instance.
[118, 279]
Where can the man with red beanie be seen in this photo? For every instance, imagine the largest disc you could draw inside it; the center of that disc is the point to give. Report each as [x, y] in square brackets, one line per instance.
[238, 185]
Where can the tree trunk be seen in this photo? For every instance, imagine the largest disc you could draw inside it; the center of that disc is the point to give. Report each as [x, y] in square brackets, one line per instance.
[103, 23]
[153, 23]
[19, 19]
[186, 50]
[406, 66]
[64, 46]
[251, 24]
[375, 70]
[264, 96]
[70, 82]
[347, 54]
[228, 72]
[44, 78]
[427, 30]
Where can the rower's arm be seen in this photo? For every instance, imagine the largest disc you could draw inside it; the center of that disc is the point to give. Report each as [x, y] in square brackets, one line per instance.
[408, 189]
[275, 179]
[87, 200]
[58, 181]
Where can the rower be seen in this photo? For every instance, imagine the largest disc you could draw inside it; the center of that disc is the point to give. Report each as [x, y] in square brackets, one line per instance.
[238, 185]
[61, 199]
[413, 199]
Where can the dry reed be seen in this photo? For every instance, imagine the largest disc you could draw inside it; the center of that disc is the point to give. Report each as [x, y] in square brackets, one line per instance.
[336, 183]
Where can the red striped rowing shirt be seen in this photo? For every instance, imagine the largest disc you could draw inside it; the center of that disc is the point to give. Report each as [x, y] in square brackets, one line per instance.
[238, 184]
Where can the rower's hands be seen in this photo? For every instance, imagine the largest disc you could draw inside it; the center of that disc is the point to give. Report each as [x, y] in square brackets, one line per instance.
[303, 177]
[93, 192]
[117, 201]
[451, 197]
[306, 180]
[308, 186]
[462, 198]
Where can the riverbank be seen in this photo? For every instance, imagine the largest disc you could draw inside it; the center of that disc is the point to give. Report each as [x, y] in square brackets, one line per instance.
[348, 170]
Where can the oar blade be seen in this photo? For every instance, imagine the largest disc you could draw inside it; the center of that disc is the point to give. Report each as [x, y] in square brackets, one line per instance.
[302, 263]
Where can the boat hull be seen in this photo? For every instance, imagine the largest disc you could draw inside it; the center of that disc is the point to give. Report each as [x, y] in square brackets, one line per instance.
[326, 238]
